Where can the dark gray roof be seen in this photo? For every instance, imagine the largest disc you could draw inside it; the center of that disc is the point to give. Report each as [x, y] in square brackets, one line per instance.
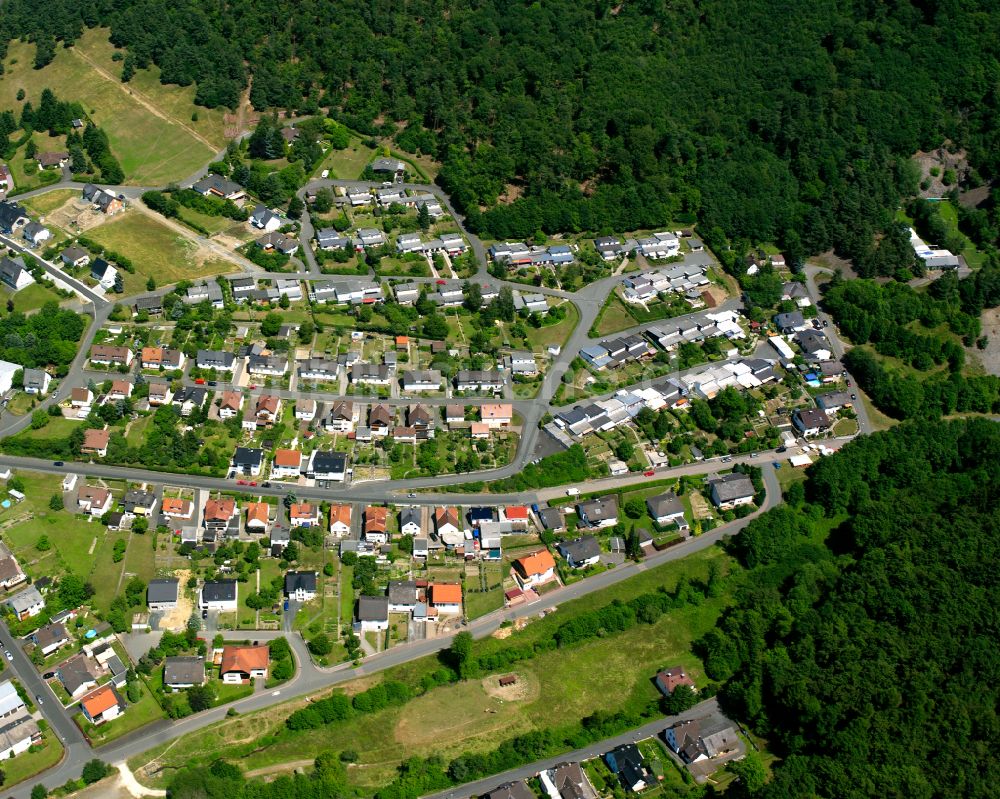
[373, 608]
[599, 509]
[665, 504]
[732, 486]
[75, 673]
[304, 581]
[219, 591]
[162, 590]
[580, 549]
[409, 514]
[248, 456]
[184, 670]
[138, 499]
[793, 319]
[552, 518]
[50, 634]
[511, 790]
[402, 592]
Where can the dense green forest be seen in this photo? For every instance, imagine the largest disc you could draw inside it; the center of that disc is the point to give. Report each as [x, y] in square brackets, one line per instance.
[870, 660]
[767, 120]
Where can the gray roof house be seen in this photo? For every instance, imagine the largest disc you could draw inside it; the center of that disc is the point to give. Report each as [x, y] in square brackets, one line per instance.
[666, 508]
[600, 512]
[580, 552]
[184, 671]
[731, 490]
[161, 594]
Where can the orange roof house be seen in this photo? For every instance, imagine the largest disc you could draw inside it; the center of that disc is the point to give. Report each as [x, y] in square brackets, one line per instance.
[220, 510]
[497, 412]
[445, 594]
[288, 458]
[175, 506]
[243, 663]
[402, 342]
[102, 705]
[95, 441]
[152, 355]
[340, 517]
[516, 513]
[302, 510]
[376, 519]
[535, 568]
[258, 514]
[479, 430]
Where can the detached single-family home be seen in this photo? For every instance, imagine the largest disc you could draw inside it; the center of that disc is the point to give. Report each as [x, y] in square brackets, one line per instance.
[258, 517]
[74, 256]
[105, 355]
[218, 186]
[102, 705]
[104, 273]
[11, 573]
[218, 595]
[52, 160]
[627, 764]
[287, 463]
[95, 500]
[215, 359]
[267, 410]
[305, 409]
[666, 508]
[76, 675]
[177, 508]
[36, 233]
[600, 512]
[446, 598]
[581, 552]
[325, 466]
[372, 613]
[12, 217]
[811, 421]
[241, 664]
[248, 460]
[222, 516]
[375, 529]
[497, 414]
[162, 594]
[10, 700]
[50, 637]
[705, 738]
[448, 526]
[479, 380]
[300, 586]
[230, 404]
[303, 514]
[567, 781]
[340, 520]
[14, 274]
[512, 790]
[402, 596]
[95, 442]
[104, 200]
[183, 671]
[668, 679]
[139, 503]
[731, 490]
[409, 520]
[790, 322]
[421, 380]
[534, 569]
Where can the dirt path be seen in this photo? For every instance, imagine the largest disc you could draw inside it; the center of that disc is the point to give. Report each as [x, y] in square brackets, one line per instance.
[140, 98]
[280, 768]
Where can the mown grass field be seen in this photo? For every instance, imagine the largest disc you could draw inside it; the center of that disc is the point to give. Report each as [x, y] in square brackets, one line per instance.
[555, 688]
[149, 125]
[47, 203]
[28, 299]
[156, 251]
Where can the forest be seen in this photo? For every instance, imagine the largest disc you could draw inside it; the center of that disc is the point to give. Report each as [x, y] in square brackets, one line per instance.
[765, 120]
[863, 645]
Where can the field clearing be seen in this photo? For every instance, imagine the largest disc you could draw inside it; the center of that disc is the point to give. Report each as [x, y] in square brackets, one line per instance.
[50, 201]
[558, 333]
[555, 689]
[30, 298]
[614, 317]
[156, 251]
[148, 131]
[350, 163]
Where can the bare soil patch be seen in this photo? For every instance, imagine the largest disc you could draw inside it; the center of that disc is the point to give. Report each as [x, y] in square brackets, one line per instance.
[525, 688]
[176, 619]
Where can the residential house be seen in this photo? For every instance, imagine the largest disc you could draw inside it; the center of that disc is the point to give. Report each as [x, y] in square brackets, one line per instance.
[49, 638]
[190, 398]
[516, 516]
[300, 586]
[11, 573]
[159, 394]
[18, 735]
[446, 598]
[75, 257]
[811, 421]
[95, 500]
[218, 186]
[421, 547]
[511, 790]
[215, 359]
[241, 664]
[102, 705]
[380, 419]
[343, 417]
[10, 700]
[278, 242]
[666, 508]
[479, 380]
[496, 414]
[552, 519]
[340, 520]
[222, 516]
[151, 305]
[205, 292]
[303, 514]
[267, 411]
[81, 397]
[52, 160]
[177, 508]
[627, 764]
[402, 596]
[422, 419]
[833, 401]
[790, 322]
[531, 303]
[370, 374]
[248, 461]
[104, 273]
[76, 675]
[95, 442]
[320, 369]
[567, 781]
[600, 512]
[372, 614]
[668, 679]
[183, 671]
[218, 595]
[580, 552]
[389, 168]
[162, 594]
[36, 234]
[305, 409]
[162, 358]
[410, 520]
[105, 355]
[103, 200]
[534, 569]
[814, 345]
[120, 390]
[139, 503]
[12, 217]
[447, 526]
[795, 291]
[375, 529]
[705, 738]
[230, 404]
[454, 414]
[325, 466]
[14, 274]
[258, 517]
[267, 365]
[369, 237]
[731, 490]
[421, 380]
[287, 463]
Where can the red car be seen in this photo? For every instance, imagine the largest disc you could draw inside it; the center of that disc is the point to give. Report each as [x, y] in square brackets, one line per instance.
[253, 386]
[241, 482]
[253, 482]
[648, 474]
[441, 282]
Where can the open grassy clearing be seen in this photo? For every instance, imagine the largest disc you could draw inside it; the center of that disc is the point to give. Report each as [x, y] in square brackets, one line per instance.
[30, 298]
[136, 715]
[156, 251]
[350, 163]
[555, 689]
[558, 333]
[28, 764]
[148, 124]
[47, 203]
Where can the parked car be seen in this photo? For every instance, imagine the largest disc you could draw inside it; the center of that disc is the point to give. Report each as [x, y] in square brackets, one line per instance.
[650, 473]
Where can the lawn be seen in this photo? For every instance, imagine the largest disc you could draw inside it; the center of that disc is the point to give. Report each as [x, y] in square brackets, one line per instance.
[149, 125]
[558, 333]
[57, 427]
[30, 763]
[155, 250]
[350, 163]
[31, 298]
[137, 715]
[614, 316]
[47, 203]
[553, 689]
[213, 224]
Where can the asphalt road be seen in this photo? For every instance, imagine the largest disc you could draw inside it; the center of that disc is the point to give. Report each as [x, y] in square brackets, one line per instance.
[481, 787]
